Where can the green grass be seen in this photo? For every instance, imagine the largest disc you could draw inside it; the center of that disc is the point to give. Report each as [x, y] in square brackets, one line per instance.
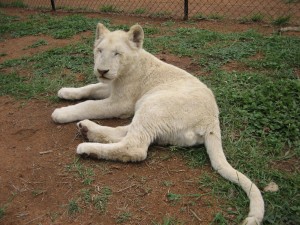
[14, 4]
[168, 220]
[85, 173]
[259, 103]
[139, 11]
[73, 207]
[281, 20]
[55, 26]
[109, 9]
[257, 17]
[2, 212]
[123, 217]
[37, 44]
[101, 200]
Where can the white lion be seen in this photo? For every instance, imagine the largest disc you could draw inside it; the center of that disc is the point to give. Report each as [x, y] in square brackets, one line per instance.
[168, 105]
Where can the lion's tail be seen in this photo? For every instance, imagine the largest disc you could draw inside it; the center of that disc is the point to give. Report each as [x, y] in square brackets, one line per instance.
[219, 163]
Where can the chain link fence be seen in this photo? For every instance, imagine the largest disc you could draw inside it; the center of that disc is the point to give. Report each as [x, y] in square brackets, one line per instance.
[242, 10]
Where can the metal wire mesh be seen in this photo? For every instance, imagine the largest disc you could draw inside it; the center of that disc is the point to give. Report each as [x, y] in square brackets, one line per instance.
[263, 10]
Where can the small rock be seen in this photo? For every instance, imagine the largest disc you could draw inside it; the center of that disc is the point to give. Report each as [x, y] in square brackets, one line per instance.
[271, 187]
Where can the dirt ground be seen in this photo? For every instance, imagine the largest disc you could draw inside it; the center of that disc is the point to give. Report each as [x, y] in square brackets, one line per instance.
[36, 152]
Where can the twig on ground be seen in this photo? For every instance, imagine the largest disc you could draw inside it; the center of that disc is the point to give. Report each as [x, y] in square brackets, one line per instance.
[197, 217]
[34, 219]
[46, 152]
[125, 188]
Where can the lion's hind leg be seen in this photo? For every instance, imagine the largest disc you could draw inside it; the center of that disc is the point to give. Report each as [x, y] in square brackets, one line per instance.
[102, 134]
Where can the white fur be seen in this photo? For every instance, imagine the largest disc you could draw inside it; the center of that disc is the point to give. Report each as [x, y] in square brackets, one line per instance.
[168, 105]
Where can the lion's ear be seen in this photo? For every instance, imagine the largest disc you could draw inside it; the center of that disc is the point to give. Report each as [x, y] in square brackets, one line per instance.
[101, 30]
[136, 35]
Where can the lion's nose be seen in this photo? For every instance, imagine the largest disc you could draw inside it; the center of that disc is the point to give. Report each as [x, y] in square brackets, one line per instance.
[102, 72]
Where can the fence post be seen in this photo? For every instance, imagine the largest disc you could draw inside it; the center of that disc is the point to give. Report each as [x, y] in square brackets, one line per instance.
[186, 10]
[53, 5]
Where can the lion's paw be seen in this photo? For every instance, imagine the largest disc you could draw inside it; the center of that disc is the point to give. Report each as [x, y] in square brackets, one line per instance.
[68, 93]
[81, 149]
[87, 129]
[59, 116]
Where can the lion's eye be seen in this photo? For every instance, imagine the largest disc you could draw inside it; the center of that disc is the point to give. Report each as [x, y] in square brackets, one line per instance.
[100, 50]
[117, 53]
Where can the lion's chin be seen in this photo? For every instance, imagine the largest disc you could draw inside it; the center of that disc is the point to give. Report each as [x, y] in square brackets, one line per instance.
[104, 79]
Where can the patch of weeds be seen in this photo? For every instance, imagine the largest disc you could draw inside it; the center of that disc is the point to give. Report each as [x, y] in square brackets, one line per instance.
[14, 4]
[168, 220]
[291, 1]
[150, 30]
[215, 17]
[195, 156]
[174, 198]
[168, 23]
[199, 16]
[85, 173]
[56, 26]
[53, 216]
[2, 212]
[167, 183]
[109, 9]
[86, 195]
[5, 205]
[100, 201]
[73, 207]
[162, 14]
[257, 17]
[219, 220]
[139, 11]
[281, 20]
[37, 44]
[123, 217]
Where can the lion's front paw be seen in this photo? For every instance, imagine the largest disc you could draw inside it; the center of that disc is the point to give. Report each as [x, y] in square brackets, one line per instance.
[86, 150]
[58, 116]
[68, 93]
[81, 149]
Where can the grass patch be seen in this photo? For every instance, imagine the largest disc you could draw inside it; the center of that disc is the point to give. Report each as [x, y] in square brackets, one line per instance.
[162, 14]
[73, 207]
[281, 20]
[257, 17]
[139, 11]
[14, 4]
[100, 201]
[123, 217]
[55, 26]
[85, 173]
[37, 44]
[109, 9]
[168, 220]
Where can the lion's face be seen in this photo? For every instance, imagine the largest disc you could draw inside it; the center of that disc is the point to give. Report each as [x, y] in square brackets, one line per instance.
[113, 51]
